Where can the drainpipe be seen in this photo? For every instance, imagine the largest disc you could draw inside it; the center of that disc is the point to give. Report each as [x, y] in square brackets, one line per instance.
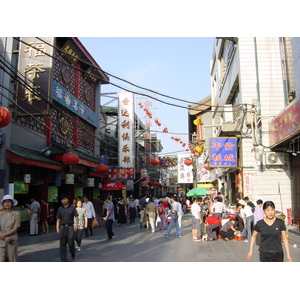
[259, 127]
[283, 66]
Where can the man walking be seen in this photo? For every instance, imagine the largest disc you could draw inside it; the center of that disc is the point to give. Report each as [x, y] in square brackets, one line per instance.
[196, 219]
[110, 215]
[64, 227]
[174, 219]
[89, 207]
[34, 216]
[151, 210]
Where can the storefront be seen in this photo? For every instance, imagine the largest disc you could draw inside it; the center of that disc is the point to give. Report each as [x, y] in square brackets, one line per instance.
[285, 137]
[31, 174]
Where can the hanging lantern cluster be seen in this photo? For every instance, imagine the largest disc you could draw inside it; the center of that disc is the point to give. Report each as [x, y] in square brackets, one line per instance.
[197, 151]
[164, 162]
[4, 116]
[157, 122]
[70, 159]
[148, 112]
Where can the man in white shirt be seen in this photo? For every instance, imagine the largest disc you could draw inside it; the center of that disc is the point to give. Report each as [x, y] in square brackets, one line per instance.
[88, 205]
[180, 213]
[196, 219]
[217, 208]
[34, 216]
[249, 219]
[174, 219]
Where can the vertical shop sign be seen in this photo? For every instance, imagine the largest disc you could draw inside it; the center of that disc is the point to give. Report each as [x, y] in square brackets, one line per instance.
[223, 152]
[126, 130]
[35, 65]
[248, 182]
[185, 172]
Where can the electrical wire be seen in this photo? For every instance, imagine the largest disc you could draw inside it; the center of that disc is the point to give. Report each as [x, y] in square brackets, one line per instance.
[126, 81]
[19, 80]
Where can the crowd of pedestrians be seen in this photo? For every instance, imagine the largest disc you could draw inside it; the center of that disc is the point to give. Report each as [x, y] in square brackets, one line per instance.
[252, 223]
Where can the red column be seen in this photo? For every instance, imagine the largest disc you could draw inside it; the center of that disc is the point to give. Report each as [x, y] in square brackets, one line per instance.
[47, 130]
[75, 133]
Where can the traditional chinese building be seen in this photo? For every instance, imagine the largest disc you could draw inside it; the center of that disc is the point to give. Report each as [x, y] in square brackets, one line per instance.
[55, 104]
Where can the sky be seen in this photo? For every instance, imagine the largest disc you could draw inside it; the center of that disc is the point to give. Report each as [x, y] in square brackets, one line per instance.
[174, 66]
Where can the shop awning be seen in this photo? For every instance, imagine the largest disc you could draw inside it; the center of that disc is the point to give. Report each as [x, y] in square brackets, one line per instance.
[56, 151]
[21, 155]
[205, 185]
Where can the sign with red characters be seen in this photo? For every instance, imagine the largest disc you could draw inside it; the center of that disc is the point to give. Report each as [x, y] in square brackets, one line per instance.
[286, 124]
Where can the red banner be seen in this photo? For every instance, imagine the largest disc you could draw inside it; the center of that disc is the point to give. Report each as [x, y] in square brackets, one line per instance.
[286, 124]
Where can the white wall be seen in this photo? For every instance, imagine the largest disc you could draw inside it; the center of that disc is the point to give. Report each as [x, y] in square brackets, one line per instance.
[296, 62]
[260, 183]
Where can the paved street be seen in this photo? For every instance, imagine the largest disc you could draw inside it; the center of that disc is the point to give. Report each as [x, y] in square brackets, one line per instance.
[133, 244]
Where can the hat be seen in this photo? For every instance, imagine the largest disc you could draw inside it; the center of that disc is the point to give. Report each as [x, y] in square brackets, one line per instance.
[9, 197]
[243, 202]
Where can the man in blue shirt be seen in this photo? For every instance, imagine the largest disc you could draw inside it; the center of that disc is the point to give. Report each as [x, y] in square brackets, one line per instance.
[110, 215]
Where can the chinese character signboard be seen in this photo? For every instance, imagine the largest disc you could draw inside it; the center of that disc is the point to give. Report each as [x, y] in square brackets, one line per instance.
[249, 182]
[223, 152]
[63, 97]
[286, 124]
[126, 130]
[121, 173]
[35, 64]
[185, 172]
[70, 52]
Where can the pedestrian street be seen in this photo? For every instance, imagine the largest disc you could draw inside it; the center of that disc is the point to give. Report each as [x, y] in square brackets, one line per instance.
[134, 244]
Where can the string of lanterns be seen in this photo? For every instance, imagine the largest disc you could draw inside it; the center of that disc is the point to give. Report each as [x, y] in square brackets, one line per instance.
[149, 114]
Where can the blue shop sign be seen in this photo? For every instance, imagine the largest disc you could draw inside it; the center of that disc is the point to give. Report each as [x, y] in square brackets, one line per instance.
[62, 96]
[223, 152]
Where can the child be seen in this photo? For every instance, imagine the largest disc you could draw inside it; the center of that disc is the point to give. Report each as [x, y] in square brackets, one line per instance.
[169, 217]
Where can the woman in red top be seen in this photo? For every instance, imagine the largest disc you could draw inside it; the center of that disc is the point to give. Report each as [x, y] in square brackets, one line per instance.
[212, 227]
[166, 206]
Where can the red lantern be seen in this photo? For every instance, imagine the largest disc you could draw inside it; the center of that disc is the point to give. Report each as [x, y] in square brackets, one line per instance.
[180, 189]
[188, 161]
[154, 161]
[70, 159]
[4, 116]
[102, 168]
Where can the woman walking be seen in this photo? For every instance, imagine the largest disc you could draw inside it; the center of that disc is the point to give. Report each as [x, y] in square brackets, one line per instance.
[82, 224]
[121, 212]
[272, 230]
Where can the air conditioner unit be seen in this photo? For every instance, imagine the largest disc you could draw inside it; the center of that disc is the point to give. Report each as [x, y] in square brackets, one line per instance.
[275, 159]
[231, 127]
